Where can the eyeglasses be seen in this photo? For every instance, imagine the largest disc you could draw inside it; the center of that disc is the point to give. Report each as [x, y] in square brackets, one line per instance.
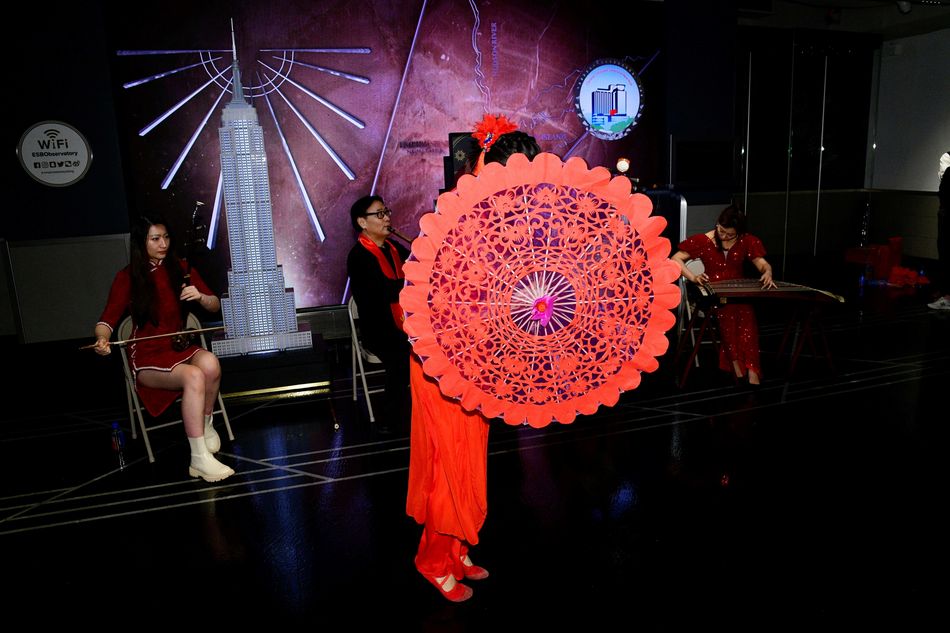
[385, 212]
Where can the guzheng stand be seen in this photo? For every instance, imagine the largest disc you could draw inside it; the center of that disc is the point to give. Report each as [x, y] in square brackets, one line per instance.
[802, 325]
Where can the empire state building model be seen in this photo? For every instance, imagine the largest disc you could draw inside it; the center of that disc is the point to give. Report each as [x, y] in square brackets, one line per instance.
[259, 312]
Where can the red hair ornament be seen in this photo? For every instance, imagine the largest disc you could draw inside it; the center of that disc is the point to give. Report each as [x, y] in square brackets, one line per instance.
[486, 132]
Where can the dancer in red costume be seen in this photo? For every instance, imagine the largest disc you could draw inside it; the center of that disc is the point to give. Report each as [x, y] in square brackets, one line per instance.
[448, 459]
[723, 251]
[156, 288]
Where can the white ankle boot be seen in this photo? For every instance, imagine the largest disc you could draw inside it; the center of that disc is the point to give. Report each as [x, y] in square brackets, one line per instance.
[203, 463]
[212, 439]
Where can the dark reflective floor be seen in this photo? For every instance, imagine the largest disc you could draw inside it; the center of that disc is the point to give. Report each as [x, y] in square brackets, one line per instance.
[815, 503]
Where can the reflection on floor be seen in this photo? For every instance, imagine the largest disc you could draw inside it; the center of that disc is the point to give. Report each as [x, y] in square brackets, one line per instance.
[815, 502]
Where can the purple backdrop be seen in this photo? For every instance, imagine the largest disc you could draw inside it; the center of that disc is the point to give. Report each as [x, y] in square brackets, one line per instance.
[516, 58]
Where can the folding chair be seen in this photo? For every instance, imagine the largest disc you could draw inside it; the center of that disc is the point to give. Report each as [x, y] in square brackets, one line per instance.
[135, 406]
[700, 321]
[358, 356]
[689, 303]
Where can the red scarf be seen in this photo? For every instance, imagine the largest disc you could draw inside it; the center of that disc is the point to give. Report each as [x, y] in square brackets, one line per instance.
[387, 269]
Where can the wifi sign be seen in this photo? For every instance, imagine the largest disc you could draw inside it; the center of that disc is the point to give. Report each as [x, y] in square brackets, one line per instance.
[54, 153]
[52, 140]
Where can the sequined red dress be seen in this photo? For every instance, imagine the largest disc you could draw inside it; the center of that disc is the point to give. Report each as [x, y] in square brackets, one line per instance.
[157, 353]
[737, 323]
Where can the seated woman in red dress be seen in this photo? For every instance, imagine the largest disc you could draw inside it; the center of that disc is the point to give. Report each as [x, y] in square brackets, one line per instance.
[155, 290]
[448, 458]
[723, 251]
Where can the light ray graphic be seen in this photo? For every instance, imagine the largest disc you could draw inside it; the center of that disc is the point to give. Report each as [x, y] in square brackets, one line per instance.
[168, 73]
[184, 153]
[250, 92]
[326, 146]
[151, 126]
[333, 107]
[215, 213]
[271, 81]
[346, 291]
[358, 51]
[293, 165]
[176, 51]
[392, 116]
[330, 71]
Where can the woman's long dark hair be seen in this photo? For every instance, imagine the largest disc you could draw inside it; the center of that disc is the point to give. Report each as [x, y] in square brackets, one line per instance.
[143, 306]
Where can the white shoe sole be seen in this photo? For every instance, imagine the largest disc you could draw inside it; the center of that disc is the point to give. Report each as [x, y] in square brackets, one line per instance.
[194, 472]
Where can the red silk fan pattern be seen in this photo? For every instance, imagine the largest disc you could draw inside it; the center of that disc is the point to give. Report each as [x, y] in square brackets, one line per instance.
[540, 290]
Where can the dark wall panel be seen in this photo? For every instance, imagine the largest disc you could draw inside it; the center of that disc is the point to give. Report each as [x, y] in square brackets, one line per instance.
[63, 76]
[808, 89]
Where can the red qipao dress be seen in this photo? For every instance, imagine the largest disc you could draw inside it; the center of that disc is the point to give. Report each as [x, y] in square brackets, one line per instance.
[737, 324]
[448, 476]
[157, 353]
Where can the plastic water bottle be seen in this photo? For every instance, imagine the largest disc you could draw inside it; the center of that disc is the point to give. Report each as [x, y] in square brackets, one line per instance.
[118, 444]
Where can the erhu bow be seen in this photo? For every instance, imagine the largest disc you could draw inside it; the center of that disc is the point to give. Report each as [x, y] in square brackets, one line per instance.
[184, 341]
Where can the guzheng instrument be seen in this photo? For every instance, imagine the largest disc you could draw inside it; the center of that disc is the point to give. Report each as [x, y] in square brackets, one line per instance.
[735, 290]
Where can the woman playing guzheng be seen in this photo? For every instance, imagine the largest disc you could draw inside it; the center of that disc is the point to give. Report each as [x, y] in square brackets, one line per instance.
[724, 251]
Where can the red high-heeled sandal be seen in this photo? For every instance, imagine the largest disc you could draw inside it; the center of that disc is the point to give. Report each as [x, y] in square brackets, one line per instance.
[459, 593]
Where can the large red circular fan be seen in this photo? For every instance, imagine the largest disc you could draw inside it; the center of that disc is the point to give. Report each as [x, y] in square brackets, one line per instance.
[539, 290]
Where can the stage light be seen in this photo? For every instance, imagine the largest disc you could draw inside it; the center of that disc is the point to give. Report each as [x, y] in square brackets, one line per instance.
[623, 164]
